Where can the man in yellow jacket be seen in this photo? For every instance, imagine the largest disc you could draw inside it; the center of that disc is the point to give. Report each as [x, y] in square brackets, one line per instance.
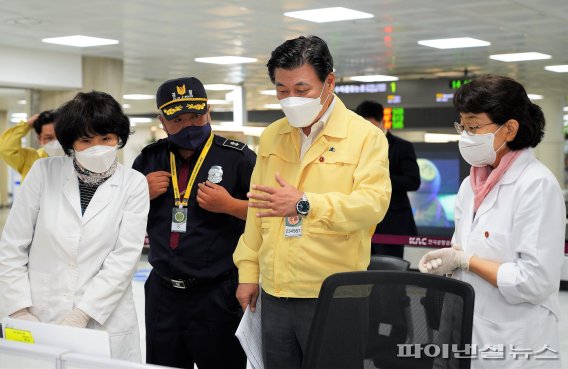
[320, 185]
[22, 158]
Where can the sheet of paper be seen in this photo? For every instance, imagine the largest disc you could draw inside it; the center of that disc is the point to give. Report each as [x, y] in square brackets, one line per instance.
[250, 336]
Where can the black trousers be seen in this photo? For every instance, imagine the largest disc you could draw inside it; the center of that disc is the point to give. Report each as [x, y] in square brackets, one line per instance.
[193, 326]
[286, 326]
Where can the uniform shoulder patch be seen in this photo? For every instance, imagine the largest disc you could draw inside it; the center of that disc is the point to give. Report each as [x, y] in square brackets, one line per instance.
[234, 144]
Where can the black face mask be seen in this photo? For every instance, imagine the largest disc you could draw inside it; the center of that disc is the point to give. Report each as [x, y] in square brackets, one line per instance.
[191, 137]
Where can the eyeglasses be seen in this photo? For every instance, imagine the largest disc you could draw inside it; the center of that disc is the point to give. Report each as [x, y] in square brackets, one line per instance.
[460, 128]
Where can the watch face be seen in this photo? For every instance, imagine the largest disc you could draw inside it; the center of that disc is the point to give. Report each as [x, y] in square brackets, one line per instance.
[303, 207]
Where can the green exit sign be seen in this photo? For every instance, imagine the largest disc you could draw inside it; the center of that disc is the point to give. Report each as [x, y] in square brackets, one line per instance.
[457, 83]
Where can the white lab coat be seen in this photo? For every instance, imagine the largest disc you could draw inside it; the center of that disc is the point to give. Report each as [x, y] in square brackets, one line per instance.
[521, 224]
[53, 259]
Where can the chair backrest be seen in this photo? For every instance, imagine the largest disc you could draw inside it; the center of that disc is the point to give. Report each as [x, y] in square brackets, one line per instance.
[379, 319]
[385, 262]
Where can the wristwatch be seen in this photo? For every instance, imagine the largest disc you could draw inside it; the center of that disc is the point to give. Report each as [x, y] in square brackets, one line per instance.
[303, 205]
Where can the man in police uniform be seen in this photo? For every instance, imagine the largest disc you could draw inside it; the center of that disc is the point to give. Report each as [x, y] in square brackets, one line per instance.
[198, 185]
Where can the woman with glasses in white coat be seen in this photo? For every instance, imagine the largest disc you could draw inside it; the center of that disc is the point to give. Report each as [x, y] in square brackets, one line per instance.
[73, 238]
[509, 227]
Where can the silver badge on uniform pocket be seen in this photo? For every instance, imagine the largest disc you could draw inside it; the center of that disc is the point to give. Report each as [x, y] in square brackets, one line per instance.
[215, 174]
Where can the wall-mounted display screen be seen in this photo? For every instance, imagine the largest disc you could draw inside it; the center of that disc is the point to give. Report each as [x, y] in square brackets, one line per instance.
[441, 172]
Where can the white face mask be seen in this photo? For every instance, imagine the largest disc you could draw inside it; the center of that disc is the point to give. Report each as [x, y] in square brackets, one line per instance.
[301, 111]
[478, 150]
[97, 159]
[53, 148]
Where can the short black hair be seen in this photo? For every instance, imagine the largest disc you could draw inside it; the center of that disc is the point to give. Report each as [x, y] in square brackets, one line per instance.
[45, 117]
[502, 98]
[299, 51]
[370, 109]
[89, 114]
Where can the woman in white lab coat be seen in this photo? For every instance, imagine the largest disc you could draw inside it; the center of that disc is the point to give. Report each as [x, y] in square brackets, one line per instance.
[510, 227]
[73, 238]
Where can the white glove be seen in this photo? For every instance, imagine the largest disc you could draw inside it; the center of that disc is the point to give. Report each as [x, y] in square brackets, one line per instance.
[444, 261]
[24, 314]
[75, 318]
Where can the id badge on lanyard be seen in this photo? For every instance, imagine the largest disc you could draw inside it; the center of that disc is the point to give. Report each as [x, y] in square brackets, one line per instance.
[179, 220]
[179, 211]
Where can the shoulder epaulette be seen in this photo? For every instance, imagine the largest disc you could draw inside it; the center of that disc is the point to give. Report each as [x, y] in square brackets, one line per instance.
[234, 144]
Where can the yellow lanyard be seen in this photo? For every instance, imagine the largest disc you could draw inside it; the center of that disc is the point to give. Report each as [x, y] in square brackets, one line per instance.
[193, 174]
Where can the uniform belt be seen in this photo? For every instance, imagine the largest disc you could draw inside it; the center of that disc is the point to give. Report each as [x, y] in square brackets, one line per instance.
[184, 284]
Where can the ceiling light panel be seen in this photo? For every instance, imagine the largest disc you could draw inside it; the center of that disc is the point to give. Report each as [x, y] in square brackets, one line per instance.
[557, 68]
[454, 43]
[138, 97]
[226, 60]
[219, 87]
[516, 57]
[325, 15]
[374, 78]
[80, 41]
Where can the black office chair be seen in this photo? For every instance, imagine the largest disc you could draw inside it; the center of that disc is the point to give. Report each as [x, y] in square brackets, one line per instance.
[355, 328]
[385, 262]
[394, 311]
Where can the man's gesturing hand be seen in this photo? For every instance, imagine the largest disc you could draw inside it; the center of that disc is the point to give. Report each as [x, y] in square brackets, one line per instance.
[280, 201]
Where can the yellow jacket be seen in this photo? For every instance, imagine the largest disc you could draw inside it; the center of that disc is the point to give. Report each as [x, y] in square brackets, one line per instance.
[11, 150]
[346, 179]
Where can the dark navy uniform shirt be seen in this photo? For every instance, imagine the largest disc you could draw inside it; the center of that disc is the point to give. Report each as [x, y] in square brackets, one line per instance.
[206, 249]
